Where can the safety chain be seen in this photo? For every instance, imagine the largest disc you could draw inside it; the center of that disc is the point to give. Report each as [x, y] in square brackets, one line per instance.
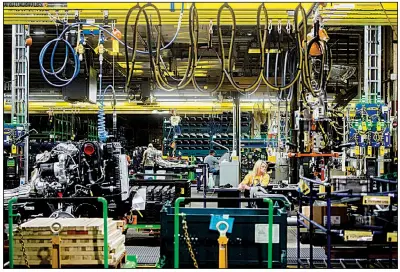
[21, 241]
[187, 239]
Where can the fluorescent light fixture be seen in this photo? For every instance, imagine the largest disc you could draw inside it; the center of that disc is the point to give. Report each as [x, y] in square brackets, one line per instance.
[137, 64]
[39, 32]
[266, 100]
[344, 6]
[177, 95]
[185, 100]
[257, 51]
[160, 112]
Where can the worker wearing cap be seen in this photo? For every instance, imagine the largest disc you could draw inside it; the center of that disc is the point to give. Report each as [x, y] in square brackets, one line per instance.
[149, 157]
[258, 177]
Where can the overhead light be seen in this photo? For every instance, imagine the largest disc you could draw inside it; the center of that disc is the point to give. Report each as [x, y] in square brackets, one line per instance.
[257, 51]
[344, 6]
[39, 32]
[249, 34]
[185, 100]
[160, 112]
[180, 95]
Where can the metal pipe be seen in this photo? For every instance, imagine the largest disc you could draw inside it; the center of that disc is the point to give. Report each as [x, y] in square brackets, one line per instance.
[176, 231]
[311, 230]
[270, 226]
[328, 225]
[237, 126]
[10, 230]
[359, 66]
[312, 222]
[13, 68]
[220, 145]
[298, 234]
[323, 183]
[385, 180]
[26, 101]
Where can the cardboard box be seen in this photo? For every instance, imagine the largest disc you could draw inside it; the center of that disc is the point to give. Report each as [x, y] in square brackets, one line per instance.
[338, 215]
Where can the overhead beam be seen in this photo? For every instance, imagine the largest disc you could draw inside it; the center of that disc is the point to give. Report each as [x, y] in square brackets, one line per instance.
[246, 13]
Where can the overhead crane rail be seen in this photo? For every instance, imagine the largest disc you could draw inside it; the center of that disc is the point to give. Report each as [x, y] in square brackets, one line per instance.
[360, 14]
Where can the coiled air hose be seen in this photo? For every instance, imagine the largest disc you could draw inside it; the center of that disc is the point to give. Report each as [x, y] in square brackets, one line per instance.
[261, 38]
[194, 35]
[68, 47]
[192, 58]
[299, 64]
[160, 79]
[101, 118]
[102, 133]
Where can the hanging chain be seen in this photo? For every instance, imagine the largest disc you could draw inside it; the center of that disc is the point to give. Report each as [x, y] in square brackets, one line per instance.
[187, 239]
[21, 241]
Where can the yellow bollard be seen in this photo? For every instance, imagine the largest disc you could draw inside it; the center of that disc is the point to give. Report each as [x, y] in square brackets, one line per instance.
[56, 241]
[223, 244]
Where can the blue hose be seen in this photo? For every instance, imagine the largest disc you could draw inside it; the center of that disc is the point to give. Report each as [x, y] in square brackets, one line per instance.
[69, 47]
[101, 126]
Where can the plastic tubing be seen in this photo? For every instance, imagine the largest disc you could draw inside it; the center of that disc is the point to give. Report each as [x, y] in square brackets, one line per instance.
[69, 47]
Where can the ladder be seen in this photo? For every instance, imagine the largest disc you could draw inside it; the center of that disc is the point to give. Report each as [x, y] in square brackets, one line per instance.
[20, 86]
[372, 64]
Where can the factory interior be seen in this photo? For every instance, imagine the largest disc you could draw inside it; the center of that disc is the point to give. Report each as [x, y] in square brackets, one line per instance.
[273, 125]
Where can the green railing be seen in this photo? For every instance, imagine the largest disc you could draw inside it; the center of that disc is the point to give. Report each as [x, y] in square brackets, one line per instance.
[176, 222]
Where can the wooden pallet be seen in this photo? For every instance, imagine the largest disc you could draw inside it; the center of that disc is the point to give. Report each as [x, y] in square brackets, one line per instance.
[82, 241]
[119, 263]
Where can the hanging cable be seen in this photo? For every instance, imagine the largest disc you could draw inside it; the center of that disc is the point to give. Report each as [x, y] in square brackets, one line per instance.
[159, 77]
[131, 68]
[192, 58]
[299, 64]
[69, 47]
[194, 35]
[102, 133]
[261, 38]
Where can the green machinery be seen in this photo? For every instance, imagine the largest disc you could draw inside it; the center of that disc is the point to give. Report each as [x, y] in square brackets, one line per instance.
[258, 237]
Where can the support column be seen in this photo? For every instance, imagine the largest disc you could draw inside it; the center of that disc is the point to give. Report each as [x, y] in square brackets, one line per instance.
[236, 124]
[20, 88]
[26, 108]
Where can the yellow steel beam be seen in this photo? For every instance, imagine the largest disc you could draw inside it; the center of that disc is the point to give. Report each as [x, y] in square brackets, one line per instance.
[132, 108]
[333, 13]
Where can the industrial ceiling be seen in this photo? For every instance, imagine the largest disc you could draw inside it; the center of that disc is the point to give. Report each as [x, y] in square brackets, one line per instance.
[343, 21]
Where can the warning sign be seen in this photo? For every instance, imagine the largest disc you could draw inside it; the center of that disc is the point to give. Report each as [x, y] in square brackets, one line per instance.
[376, 200]
[261, 233]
